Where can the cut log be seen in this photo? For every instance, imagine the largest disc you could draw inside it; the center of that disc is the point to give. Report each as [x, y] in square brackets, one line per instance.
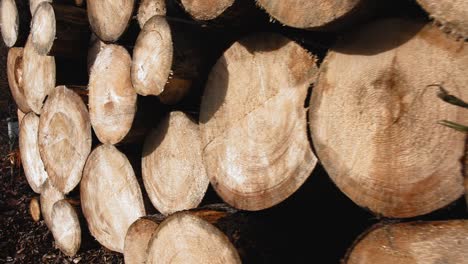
[251, 98]
[15, 78]
[33, 166]
[64, 138]
[375, 128]
[35, 209]
[206, 10]
[185, 238]
[451, 15]
[60, 30]
[166, 60]
[173, 173]
[112, 99]
[9, 22]
[314, 14]
[33, 4]
[137, 239]
[149, 8]
[65, 227]
[38, 77]
[109, 18]
[49, 196]
[413, 242]
[111, 198]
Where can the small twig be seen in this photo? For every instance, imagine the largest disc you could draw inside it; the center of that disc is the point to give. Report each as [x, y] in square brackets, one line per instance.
[454, 125]
[447, 97]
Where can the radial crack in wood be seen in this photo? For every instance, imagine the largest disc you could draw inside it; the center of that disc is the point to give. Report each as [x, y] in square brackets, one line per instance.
[64, 138]
[112, 99]
[412, 242]
[185, 238]
[31, 159]
[66, 228]
[173, 173]
[111, 198]
[109, 18]
[255, 94]
[374, 127]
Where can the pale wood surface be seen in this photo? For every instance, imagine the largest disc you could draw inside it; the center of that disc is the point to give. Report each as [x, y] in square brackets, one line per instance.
[66, 227]
[15, 78]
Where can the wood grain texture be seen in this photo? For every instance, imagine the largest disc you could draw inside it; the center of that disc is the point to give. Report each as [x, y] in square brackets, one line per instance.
[66, 228]
[185, 238]
[173, 173]
[413, 242]
[38, 76]
[111, 198]
[308, 14]
[49, 196]
[64, 138]
[112, 99]
[206, 9]
[33, 166]
[149, 8]
[15, 78]
[137, 239]
[9, 22]
[253, 121]
[373, 120]
[452, 15]
[109, 18]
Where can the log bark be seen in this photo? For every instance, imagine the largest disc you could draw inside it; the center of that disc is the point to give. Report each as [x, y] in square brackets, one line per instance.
[35, 209]
[64, 138]
[49, 196]
[112, 99]
[313, 15]
[375, 127]
[109, 18]
[111, 198]
[452, 16]
[14, 22]
[65, 227]
[184, 238]
[33, 166]
[38, 77]
[173, 173]
[149, 8]
[275, 157]
[15, 78]
[412, 242]
[167, 60]
[60, 30]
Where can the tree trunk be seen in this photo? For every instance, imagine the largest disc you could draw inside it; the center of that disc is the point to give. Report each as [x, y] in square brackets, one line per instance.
[35, 209]
[112, 99]
[33, 166]
[60, 30]
[374, 127]
[185, 238]
[109, 18]
[173, 173]
[167, 60]
[149, 8]
[252, 98]
[111, 198]
[66, 227]
[412, 242]
[38, 77]
[315, 14]
[15, 78]
[64, 138]
[451, 15]
[14, 22]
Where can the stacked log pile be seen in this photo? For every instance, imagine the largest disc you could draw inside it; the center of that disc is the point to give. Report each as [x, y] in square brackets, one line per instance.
[130, 101]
